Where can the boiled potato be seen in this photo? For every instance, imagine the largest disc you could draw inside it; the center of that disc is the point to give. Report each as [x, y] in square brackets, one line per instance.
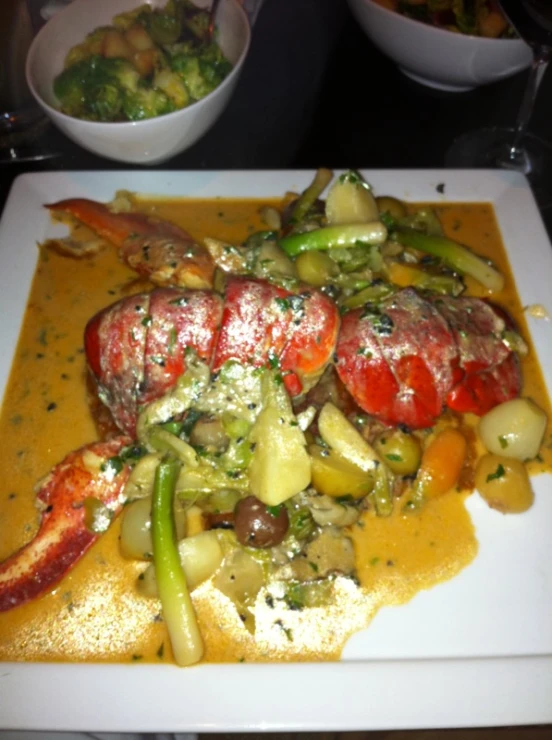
[350, 201]
[136, 541]
[144, 61]
[342, 437]
[504, 484]
[272, 260]
[401, 452]
[139, 38]
[115, 46]
[334, 476]
[316, 268]
[200, 556]
[240, 578]
[281, 466]
[514, 429]
[394, 207]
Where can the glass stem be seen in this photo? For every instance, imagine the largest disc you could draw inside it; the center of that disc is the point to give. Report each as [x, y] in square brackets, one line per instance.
[541, 57]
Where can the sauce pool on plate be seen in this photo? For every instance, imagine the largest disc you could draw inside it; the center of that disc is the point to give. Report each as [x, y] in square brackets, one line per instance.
[95, 613]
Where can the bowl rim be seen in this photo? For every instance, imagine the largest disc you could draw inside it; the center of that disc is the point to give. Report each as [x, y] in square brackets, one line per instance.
[151, 121]
[437, 30]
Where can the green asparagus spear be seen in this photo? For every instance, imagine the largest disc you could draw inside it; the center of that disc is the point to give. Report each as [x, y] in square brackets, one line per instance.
[329, 237]
[308, 197]
[456, 256]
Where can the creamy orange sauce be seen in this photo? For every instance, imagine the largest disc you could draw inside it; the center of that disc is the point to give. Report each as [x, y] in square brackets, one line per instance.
[95, 613]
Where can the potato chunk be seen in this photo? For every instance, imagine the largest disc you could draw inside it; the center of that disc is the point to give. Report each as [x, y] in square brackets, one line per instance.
[334, 476]
[504, 484]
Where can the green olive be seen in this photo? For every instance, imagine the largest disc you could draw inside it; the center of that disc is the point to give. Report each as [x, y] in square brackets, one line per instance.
[316, 268]
[394, 207]
[401, 452]
[504, 484]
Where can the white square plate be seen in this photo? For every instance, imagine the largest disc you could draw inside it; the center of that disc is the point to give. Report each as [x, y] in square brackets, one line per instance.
[474, 651]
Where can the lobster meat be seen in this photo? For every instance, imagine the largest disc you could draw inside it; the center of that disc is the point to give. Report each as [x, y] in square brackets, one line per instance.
[402, 362]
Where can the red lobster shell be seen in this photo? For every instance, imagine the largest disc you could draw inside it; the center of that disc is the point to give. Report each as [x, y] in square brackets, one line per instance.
[402, 361]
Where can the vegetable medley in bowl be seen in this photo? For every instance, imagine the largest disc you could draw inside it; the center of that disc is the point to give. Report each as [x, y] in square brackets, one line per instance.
[149, 62]
[472, 17]
[137, 84]
[453, 46]
[290, 416]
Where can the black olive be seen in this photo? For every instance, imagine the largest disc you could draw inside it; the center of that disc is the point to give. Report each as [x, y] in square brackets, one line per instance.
[258, 525]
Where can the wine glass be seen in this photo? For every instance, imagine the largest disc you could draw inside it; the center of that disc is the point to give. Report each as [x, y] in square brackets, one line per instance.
[514, 148]
[23, 126]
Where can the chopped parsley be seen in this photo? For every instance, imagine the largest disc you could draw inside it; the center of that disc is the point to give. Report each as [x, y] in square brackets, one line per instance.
[274, 511]
[499, 473]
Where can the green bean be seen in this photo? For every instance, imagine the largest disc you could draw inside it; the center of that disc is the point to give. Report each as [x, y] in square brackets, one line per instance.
[381, 492]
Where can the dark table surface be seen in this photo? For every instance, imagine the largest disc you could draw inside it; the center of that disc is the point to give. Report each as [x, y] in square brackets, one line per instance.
[316, 92]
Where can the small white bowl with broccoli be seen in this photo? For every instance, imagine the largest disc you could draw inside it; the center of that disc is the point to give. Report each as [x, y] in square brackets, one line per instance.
[137, 83]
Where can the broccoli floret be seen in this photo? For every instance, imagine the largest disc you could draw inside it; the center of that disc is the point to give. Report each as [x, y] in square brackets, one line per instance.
[187, 48]
[128, 19]
[195, 20]
[146, 103]
[190, 72]
[123, 73]
[213, 64]
[164, 28]
[69, 88]
[106, 103]
[94, 88]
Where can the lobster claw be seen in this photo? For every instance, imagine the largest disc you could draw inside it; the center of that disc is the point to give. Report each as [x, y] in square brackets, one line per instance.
[63, 536]
[158, 250]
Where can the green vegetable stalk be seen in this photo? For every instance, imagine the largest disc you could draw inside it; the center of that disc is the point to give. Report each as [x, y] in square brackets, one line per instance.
[381, 494]
[308, 197]
[330, 237]
[454, 255]
[178, 611]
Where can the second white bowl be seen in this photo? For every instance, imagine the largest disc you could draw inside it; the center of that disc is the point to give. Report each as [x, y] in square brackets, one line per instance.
[437, 57]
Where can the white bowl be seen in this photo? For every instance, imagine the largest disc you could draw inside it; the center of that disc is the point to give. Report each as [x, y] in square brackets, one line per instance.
[436, 57]
[150, 141]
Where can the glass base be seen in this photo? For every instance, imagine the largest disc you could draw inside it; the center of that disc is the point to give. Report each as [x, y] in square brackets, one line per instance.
[491, 148]
[23, 136]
